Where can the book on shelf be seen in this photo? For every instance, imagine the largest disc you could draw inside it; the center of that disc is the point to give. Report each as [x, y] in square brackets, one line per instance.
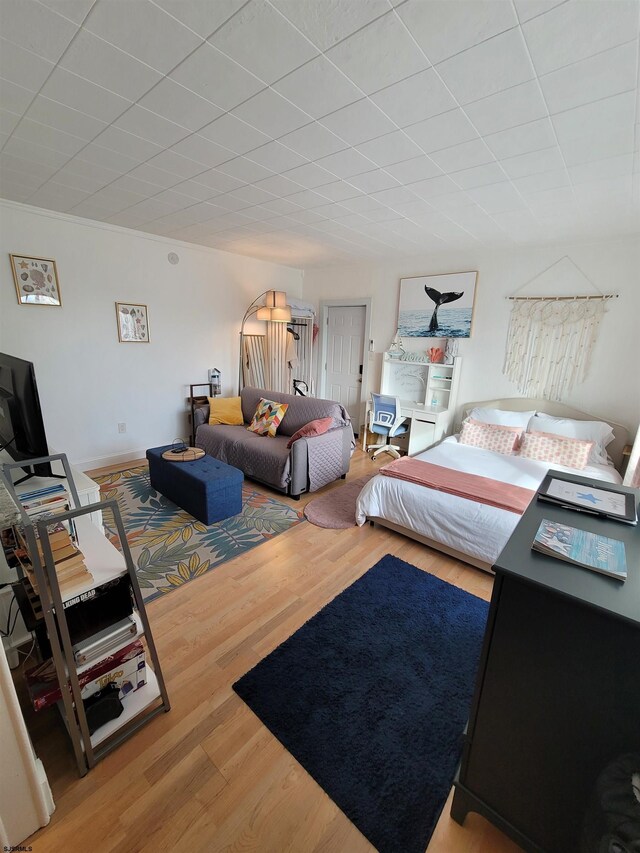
[582, 548]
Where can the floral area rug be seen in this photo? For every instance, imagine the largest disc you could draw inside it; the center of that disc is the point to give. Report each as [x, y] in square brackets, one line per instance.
[170, 547]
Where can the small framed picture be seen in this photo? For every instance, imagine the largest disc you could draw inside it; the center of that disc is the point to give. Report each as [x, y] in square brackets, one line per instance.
[133, 323]
[36, 280]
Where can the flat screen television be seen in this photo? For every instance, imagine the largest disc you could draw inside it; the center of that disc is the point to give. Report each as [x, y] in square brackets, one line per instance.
[22, 433]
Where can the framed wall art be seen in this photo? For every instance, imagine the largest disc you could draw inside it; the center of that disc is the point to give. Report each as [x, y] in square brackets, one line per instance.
[36, 280]
[437, 306]
[133, 323]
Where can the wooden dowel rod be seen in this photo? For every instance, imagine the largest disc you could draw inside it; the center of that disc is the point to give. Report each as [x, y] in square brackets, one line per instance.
[559, 298]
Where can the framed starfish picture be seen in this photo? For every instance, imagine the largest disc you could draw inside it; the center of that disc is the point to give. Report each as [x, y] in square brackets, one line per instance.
[133, 323]
[437, 306]
[36, 280]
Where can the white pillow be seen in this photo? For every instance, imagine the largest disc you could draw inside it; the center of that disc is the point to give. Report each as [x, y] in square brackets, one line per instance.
[501, 417]
[597, 431]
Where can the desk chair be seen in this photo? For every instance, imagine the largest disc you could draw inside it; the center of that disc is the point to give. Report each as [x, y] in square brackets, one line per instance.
[385, 419]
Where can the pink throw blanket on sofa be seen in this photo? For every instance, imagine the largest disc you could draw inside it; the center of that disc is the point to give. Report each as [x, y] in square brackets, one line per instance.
[472, 486]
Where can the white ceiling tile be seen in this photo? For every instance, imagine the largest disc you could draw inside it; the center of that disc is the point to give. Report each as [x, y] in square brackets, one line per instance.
[38, 153]
[546, 160]
[521, 139]
[280, 206]
[101, 63]
[331, 89]
[580, 29]
[252, 195]
[217, 181]
[605, 142]
[8, 121]
[340, 190]
[271, 113]
[363, 204]
[611, 167]
[116, 198]
[195, 190]
[496, 64]
[358, 122]
[545, 200]
[464, 156]
[153, 175]
[310, 175]
[443, 28]
[98, 155]
[15, 98]
[618, 110]
[214, 76]
[371, 182]
[382, 214]
[231, 202]
[75, 10]
[308, 199]
[279, 185]
[91, 209]
[201, 16]
[201, 150]
[433, 187]
[244, 170]
[394, 195]
[143, 30]
[18, 163]
[255, 26]
[542, 181]
[22, 67]
[418, 97]
[326, 22]
[497, 198]
[82, 95]
[514, 106]
[276, 157]
[591, 79]
[442, 131]
[378, 55]
[126, 219]
[332, 211]
[58, 197]
[176, 164]
[346, 163]
[86, 176]
[528, 9]
[126, 143]
[417, 169]
[313, 141]
[36, 28]
[479, 176]
[179, 105]
[234, 134]
[57, 115]
[151, 126]
[389, 149]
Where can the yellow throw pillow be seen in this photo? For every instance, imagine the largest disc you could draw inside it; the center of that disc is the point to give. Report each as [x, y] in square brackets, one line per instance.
[225, 410]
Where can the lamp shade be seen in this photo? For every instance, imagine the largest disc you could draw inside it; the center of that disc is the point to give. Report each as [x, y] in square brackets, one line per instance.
[281, 315]
[275, 299]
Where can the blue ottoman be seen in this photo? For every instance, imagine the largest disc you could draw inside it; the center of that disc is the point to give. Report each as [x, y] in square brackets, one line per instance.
[208, 489]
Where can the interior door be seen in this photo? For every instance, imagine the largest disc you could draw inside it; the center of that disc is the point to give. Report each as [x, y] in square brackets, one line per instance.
[345, 353]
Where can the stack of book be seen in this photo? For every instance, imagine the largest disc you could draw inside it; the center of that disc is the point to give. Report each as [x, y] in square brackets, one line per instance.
[42, 504]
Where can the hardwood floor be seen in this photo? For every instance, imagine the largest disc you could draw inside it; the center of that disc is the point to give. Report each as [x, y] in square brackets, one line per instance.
[208, 776]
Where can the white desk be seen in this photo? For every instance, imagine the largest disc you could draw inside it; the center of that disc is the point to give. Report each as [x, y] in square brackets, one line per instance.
[427, 425]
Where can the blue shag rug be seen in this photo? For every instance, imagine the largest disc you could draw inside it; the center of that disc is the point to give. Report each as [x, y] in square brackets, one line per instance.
[372, 694]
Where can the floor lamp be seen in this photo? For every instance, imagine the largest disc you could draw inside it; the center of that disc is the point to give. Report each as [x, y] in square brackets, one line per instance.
[273, 310]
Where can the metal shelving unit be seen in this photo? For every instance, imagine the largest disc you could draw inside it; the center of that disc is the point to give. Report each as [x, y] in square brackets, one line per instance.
[105, 563]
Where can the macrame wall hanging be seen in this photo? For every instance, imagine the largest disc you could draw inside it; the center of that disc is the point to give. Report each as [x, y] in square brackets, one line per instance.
[551, 339]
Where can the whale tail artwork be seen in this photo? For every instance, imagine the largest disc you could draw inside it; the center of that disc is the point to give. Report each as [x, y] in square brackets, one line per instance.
[439, 299]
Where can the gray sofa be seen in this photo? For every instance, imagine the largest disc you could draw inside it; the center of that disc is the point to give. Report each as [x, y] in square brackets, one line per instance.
[307, 466]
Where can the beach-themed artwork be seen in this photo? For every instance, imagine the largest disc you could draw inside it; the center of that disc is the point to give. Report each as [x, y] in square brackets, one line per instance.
[437, 306]
[36, 280]
[133, 324]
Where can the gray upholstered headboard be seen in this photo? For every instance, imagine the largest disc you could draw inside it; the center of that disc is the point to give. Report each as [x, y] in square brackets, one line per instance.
[558, 410]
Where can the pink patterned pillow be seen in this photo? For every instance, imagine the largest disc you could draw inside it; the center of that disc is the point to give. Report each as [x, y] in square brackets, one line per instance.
[570, 452]
[501, 439]
[317, 427]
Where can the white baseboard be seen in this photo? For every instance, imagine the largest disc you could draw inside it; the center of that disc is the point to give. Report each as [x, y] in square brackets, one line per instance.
[104, 461]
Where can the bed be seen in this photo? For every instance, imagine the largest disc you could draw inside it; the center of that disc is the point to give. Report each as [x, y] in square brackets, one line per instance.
[474, 532]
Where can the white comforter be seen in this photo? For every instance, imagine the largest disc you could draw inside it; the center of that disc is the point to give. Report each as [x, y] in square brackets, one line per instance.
[473, 528]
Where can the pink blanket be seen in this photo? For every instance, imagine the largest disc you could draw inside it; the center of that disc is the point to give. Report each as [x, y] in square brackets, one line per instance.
[471, 486]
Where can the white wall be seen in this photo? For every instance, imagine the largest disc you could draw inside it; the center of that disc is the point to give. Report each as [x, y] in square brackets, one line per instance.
[612, 388]
[88, 381]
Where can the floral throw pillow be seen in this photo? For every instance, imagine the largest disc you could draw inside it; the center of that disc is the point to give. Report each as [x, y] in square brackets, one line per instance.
[500, 439]
[570, 452]
[268, 417]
